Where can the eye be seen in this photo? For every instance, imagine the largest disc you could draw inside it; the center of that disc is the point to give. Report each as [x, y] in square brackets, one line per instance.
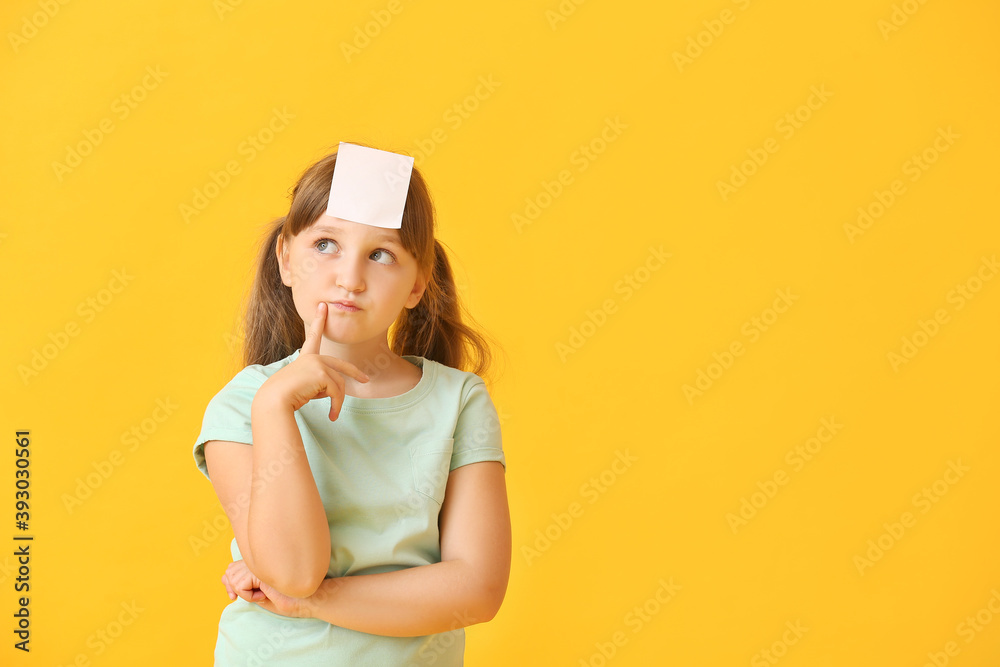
[329, 247]
[323, 244]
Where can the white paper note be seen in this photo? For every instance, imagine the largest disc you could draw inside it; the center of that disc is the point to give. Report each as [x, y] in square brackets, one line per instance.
[369, 186]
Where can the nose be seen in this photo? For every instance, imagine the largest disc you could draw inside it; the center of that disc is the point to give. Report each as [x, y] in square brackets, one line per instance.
[349, 272]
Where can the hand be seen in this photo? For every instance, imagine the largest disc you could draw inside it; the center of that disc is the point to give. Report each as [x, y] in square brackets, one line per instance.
[240, 581]
[312, 375]
[279, 603]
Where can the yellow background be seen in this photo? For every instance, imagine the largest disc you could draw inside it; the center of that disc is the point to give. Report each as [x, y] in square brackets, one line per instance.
[168, 334]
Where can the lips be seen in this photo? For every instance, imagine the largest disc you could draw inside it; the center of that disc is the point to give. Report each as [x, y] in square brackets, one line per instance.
[346, 306]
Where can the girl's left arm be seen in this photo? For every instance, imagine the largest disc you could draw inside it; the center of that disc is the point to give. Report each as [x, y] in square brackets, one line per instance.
[465, 588]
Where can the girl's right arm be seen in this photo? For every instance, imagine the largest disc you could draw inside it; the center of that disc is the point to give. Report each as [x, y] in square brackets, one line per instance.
[268, 490]
[271, 499]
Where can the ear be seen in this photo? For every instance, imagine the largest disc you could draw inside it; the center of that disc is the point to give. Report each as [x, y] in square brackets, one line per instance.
[419, 287]
[282, 254]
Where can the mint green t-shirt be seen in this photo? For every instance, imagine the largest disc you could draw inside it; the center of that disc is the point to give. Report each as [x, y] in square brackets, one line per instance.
[381, 471]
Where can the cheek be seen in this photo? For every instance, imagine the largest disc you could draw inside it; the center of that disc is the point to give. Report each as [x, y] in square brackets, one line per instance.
[303, 270]
[304, 274]
[398, 290]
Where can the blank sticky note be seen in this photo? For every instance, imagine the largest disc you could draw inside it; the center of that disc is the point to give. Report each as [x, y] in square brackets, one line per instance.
[369, 186]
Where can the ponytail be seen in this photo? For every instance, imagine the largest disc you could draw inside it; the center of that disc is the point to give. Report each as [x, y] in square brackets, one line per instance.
[435, 329]
[272, 329]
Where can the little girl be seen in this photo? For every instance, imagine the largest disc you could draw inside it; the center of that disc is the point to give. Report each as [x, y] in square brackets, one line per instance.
[370, 513]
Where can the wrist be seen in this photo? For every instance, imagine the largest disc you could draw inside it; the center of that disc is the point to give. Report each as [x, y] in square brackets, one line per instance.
[270, 399]
[312, 606]
[309, 607]
[304, 609]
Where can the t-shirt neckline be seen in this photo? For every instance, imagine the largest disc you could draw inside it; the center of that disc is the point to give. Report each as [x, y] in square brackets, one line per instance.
[410, 396]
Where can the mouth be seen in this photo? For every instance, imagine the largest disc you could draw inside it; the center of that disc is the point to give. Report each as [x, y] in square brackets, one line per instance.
[346, 306]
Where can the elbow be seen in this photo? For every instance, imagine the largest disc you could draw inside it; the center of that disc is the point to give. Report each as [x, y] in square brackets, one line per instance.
[302, 589]
[296, 584]
[296, 573]
[488, 599]
[296, 578]
[483, 592]
[493, 600]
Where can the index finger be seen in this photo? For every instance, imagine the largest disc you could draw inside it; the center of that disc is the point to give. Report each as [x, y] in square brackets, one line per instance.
[315, 333]
[347, 368]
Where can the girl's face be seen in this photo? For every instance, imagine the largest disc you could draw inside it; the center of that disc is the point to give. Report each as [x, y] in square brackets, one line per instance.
[362, 272]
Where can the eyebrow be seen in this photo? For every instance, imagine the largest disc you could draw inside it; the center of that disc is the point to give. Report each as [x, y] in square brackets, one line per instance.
[384, 238]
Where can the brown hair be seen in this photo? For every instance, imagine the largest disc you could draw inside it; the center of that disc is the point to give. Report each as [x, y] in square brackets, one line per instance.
[433, 329]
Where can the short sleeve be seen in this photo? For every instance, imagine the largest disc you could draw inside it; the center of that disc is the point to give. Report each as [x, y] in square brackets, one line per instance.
[227, 416]
[477, 432]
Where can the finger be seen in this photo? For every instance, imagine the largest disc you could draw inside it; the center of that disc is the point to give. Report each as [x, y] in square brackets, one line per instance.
[268, 591]
[347, 368]
[315, 334]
